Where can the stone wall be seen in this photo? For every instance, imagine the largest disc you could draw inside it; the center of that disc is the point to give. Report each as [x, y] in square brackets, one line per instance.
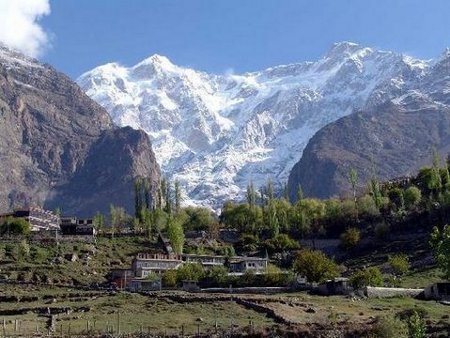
[378, 292]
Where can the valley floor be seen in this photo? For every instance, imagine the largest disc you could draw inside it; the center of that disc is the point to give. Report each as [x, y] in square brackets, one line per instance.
[27, 310]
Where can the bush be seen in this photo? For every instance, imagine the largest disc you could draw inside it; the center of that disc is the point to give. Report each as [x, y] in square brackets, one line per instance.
[169, 278]
[190, 271]
[350, 238]
[249, 242]
[280, 243]
[390, 327]
[15, 226]
[315, 266]
[399, 264]
[440, 242]
[368, 277]
[396, 197]
[273, 275]
[367, 207]
[416, 326]
[219, 275]
[412, 197]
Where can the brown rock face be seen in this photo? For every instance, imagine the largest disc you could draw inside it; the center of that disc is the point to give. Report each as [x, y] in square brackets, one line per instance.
[60, 148]
[392, 140]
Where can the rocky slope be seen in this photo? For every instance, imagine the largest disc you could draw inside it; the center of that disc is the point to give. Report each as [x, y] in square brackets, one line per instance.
[53, 149]
[392, 139]
[216, 133]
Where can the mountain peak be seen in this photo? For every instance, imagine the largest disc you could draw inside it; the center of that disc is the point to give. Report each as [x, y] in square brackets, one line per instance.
[341, 48]
[156, 60]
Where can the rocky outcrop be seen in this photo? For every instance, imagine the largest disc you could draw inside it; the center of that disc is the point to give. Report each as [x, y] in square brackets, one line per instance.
[60, 148]
[391, 140]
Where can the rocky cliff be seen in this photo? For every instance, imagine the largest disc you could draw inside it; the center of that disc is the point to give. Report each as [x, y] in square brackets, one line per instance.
[59, 148]
[389, 141]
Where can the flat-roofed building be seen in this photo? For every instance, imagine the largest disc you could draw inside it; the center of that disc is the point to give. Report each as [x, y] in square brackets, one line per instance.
[145, 264]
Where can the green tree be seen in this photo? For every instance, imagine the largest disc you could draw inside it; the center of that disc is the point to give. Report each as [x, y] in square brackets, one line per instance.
[368, 277]
[169, 278]
[440, 242]
[198, 218]
[118, 218]
[375, 191]
[177, 196]
[281, 243]
[15, 226]
[99, 222]
[396, 197]
[353, 179]
[399, 264]
[242, 217]
[176, 234]
[309, 215]
[251, 194]
[23, 249]
[190, 271]
[219, 274]
[412, 197]
[350, 238]
[367, 207]
[315, 266]
[300, 194]
[271, 219]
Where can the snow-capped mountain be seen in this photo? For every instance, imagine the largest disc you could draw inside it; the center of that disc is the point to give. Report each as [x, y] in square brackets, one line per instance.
[216, 133]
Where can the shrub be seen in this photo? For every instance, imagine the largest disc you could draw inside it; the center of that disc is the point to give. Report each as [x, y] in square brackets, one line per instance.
[368, 277]
[399, 263]
[281, 242]
[440, 242]
[219, 275]
[390, 327]
[190, 271]
[397, 198]
[15, 226]
[367, 207]
[249, 242]
[273, 275]
[416, 326]
[38, 255]
[350, 238]
[169, 278]
[315, 266]
[412, 197]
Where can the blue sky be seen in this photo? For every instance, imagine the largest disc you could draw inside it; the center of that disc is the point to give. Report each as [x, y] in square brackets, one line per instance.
[242, 35]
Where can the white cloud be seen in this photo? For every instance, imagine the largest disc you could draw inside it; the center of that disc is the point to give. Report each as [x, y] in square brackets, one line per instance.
[19, 25]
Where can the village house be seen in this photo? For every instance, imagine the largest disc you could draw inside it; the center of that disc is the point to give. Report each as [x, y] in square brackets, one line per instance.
[243, 264]
[72, 226]
[337, 286]
[39, 219]
[207, 261]
[144, 264]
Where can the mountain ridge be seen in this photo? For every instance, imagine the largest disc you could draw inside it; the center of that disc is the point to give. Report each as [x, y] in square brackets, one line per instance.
[48, 130]
[216, 133]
